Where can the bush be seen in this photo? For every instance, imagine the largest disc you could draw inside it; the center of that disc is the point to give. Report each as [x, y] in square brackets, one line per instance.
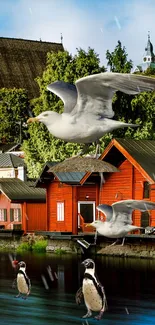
[24, 247]
[60, 251]
[40, 246]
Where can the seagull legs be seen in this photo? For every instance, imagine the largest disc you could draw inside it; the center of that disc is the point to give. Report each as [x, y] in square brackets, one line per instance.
[123, 241]
[82, 152]
[117, 242]
[97, 143]
[113, 243]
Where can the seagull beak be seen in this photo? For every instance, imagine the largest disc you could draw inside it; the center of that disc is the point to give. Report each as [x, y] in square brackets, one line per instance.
[32, 119]
[89, 224]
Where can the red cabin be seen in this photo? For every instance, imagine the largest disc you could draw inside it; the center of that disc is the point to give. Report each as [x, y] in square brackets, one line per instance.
[22, 206]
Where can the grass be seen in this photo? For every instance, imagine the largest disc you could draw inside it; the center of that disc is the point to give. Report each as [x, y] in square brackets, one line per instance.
[37, 246]
[60, 251]
[24, 247]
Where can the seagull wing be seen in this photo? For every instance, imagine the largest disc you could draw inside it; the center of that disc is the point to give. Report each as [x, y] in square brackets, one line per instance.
[106, 209]
[66, 92]
[122, 210]
[95, 92]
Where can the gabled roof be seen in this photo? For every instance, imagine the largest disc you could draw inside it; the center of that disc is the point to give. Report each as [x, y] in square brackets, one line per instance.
[10, 160]
[18, 191]
[141, 154]
[21, 61]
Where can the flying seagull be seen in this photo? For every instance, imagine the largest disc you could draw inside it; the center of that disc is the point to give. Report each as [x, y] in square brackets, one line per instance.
[119, 218]
[88, 109]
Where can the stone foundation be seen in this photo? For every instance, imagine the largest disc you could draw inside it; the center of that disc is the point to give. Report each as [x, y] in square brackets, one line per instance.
[128, 250]
[66, 246]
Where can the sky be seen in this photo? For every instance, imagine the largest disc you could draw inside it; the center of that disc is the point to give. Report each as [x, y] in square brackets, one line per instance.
[98, 24]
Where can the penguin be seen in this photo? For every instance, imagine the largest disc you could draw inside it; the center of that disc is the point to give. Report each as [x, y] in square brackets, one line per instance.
[23, 281]
[92, 291]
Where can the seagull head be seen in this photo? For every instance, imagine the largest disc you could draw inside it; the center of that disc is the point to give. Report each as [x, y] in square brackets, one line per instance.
[47, 117]
[96, 224]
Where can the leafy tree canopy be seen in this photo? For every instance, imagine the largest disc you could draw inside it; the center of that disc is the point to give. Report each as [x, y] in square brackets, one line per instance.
[117, 60]
[13, 111]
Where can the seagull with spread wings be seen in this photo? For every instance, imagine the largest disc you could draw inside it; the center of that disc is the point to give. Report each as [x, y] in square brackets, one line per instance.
[119, 218]
[88, 108]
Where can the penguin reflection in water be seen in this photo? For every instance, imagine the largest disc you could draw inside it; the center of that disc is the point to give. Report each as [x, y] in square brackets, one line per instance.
[23, 281]
[92, 291]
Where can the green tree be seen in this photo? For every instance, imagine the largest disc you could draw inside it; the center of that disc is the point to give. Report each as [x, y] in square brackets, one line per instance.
[13, 111]
[41, 145]
[117, 60]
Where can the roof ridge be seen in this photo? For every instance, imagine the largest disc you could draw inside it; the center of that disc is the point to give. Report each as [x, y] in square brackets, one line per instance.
[29, 40]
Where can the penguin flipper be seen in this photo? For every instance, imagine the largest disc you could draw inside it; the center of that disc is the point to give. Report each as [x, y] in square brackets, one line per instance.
[14, 283]
[79, 296]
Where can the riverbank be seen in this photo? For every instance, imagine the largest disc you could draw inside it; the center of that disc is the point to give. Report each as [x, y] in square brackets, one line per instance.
[142, 246]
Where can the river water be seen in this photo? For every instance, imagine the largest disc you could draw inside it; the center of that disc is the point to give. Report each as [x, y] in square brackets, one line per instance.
[129, 285]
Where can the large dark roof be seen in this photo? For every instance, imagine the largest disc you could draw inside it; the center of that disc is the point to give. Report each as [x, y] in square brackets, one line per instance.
[143, 151]
[19, 191]
[21, 61]
[10, 160]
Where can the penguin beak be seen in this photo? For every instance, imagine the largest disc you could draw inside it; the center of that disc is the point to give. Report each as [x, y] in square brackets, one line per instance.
[33, 119]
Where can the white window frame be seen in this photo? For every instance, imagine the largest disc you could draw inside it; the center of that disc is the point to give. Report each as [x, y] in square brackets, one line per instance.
[2, 215]
[16, 215]
[60, 211]
[86, 202]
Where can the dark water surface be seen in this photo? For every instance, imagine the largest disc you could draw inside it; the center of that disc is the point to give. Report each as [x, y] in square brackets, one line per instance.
[129, 285]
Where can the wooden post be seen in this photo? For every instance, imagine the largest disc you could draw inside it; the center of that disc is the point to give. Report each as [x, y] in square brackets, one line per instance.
[74, 211]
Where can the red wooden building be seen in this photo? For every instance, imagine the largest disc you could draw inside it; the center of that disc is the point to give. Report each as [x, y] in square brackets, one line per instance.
[69, 195]
[22, 206]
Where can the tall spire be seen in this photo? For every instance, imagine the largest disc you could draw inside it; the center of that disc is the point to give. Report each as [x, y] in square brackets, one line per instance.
[61, 38]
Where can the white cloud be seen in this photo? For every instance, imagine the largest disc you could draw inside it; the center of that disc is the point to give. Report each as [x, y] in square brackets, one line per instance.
[99, 26]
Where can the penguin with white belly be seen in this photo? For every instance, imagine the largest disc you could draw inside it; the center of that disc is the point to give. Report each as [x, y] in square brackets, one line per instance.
[92, 291]
[23, 281]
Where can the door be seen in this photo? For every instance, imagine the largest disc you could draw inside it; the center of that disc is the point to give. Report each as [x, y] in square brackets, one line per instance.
[87, 211]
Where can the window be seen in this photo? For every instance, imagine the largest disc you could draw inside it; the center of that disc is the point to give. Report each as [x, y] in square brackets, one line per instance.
[15, 215]
[145, 219]
[60, 211]
[3, 215]
[146, 190]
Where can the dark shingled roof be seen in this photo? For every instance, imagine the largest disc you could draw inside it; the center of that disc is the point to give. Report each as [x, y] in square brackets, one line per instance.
[64, 177]
[21, 61]
[10, 160]
[70, 177]
[5, 147]
[143, 151]
[18, 191]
